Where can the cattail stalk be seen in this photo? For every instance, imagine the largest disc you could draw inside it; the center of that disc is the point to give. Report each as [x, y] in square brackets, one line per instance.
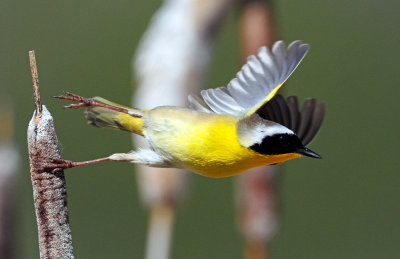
[49, 186]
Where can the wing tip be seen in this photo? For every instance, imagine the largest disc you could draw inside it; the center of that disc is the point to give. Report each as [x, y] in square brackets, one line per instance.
[258, 80]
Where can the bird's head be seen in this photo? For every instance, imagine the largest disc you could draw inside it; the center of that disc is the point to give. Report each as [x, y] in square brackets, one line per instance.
[270, 138]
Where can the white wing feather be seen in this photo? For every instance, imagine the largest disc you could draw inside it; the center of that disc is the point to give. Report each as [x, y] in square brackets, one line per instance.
[255, 84]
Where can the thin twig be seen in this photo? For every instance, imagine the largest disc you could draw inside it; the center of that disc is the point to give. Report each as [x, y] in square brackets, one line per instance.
[35, 82]
[49, 187]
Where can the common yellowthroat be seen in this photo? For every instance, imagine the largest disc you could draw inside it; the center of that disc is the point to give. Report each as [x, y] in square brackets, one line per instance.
[227, 130]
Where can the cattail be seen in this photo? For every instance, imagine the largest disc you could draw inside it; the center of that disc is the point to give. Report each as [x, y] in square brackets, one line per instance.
[49, 186]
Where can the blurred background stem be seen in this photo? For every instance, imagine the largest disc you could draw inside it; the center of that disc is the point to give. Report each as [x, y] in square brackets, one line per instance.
[9, 167]
[256, 192]
[171, 61]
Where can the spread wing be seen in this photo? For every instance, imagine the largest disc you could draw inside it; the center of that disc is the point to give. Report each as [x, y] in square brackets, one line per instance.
[255, 84]
[305, 122]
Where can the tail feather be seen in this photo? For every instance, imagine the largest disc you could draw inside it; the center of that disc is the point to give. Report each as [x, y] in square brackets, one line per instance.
[106, 118]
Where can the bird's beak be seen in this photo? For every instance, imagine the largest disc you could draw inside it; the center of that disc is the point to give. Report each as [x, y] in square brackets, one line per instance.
[307, 152]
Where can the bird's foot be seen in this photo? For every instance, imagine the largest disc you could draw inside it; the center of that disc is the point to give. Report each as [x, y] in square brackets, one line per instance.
[59, 163]
[65, 164]
[81, 101]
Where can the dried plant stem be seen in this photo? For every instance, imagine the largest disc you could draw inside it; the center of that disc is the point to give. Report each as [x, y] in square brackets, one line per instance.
[35, 82]
[49, 187]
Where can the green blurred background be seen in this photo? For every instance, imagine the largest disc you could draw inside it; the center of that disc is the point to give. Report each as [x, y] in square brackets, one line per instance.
[344, 206]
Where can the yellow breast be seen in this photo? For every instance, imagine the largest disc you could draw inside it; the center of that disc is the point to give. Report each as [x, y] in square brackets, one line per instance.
[203, 143]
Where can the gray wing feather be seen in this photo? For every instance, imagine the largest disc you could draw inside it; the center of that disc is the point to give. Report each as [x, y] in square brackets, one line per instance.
[196, 103]
[220, 101]
[255, 82]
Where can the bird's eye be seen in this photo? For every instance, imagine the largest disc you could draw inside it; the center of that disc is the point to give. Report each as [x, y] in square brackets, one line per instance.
[284, 141]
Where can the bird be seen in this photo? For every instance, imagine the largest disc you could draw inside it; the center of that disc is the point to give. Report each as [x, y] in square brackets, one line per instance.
[224, 131]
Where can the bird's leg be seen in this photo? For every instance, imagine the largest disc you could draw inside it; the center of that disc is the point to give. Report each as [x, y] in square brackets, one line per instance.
[87, 102]
[65, 164]
[59, 163]
[143, 156]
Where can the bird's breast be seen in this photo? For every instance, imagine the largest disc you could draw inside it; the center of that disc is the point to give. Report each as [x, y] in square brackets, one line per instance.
[201, 142]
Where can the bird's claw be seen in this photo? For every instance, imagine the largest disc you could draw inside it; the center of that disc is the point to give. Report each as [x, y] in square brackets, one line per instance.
[81, 101]
[59, 163]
